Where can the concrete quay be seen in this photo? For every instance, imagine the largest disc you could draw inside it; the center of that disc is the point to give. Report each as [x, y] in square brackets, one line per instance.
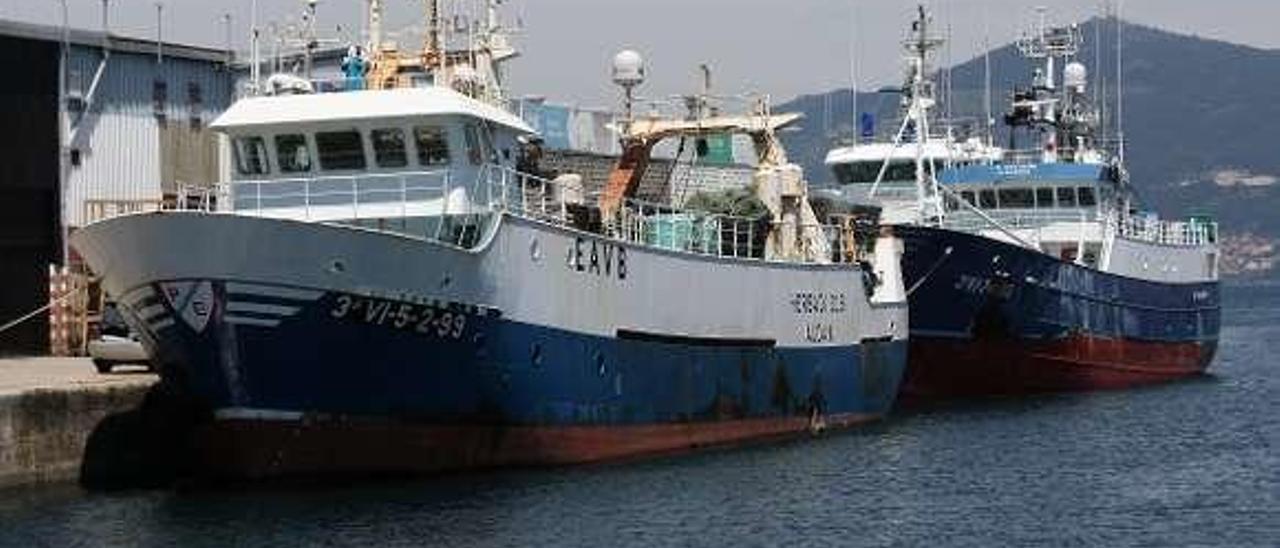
[50, 408]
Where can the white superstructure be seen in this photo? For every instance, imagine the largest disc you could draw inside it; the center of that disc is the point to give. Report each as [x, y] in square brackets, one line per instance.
[1059, 191]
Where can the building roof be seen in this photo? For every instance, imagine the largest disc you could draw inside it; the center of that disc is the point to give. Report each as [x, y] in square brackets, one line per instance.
[360, 105]
[81, 37]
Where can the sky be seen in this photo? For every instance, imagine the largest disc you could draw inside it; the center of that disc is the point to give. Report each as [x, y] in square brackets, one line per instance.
[783, 48]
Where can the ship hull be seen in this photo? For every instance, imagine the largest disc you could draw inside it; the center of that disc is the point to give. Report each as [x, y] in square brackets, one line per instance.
[991, 318]
[355, 351]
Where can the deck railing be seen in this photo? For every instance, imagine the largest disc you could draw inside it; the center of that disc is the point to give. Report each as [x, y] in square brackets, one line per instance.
[433, 205]
[1174, 233]
[97, 210]
[1146, 229]
[1017, 218]
[348, 197]
[665, 227]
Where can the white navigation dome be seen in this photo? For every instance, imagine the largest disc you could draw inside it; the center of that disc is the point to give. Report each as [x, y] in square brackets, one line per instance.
[1075, 76]
[628, 68]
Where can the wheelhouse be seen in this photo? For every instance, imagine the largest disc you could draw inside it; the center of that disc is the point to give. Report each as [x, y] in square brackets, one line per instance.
[366, 157]
[1080, 188]
[1053, 206]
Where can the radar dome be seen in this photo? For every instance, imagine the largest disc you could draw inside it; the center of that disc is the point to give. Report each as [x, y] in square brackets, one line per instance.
[628, 69]
[1075, 76]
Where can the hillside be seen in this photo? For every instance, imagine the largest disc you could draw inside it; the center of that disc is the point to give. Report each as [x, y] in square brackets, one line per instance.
[1201, 119]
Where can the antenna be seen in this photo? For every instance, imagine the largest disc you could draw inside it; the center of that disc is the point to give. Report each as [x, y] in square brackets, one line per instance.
[1120, 77]
[255, 71]
[990, 121]
[309, 18]
[226, 19]
[1100, 87]
[159, 33]
[704, 102]
[373, 26]
[106, 27]
[853, 70]
[433, 35]
[950, 84]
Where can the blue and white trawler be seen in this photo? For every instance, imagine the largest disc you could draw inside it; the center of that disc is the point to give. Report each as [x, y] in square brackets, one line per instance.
[1032, 269]
[379, 289]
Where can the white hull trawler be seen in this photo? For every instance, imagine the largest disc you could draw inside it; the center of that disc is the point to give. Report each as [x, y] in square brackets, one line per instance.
[381, 290]
[1033, 270]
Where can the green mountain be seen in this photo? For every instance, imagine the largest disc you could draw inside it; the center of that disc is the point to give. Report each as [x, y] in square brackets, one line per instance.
[1202, 120]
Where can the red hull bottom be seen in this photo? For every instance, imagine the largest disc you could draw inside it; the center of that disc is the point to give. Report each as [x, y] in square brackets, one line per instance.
[950, 368]
[255, 449]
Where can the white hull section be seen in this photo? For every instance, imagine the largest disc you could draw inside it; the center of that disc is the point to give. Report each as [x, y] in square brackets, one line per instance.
[532, 272]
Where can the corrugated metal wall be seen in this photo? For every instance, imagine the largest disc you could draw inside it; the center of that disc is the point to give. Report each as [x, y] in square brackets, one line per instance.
[120, 137]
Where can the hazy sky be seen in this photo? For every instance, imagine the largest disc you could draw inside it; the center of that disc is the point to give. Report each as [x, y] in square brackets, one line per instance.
[783, 47]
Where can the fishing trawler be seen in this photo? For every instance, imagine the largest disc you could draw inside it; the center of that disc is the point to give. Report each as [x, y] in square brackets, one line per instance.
[380, 289]
[1034, 270]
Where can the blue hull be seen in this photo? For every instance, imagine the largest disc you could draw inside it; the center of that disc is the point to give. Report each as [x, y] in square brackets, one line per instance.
[993, 318]
[343, 360]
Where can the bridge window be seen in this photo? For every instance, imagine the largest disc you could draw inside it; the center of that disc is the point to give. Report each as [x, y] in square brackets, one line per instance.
[967, 196]
[433, 146]
[866, 172]
[1087, 197]
[251, 156]
[388, 147]
[1044, 197]
[1066, 197]
[987, 199]
[486, 144]
[340, 150]
[1017, 198]
[292, 153]
[473, 146]
[479, 145]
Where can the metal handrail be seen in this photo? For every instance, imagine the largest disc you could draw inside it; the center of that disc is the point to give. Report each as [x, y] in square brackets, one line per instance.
[306, 194]
[500, 189]
[1020, 218]
[1173, 233]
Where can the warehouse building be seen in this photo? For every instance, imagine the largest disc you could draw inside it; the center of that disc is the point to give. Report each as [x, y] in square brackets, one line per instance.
[93, 124]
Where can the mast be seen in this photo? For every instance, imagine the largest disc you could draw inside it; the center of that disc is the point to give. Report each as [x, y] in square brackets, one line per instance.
[255, 70]
[853, 71]
[920, 100]
[433, 36]
[989, 122]
[309, 19]
[373, 16]
[1120, 79]
[159, 33]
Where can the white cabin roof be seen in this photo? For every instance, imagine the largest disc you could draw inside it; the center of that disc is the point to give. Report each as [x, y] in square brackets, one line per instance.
[256, 112]
[935, 149]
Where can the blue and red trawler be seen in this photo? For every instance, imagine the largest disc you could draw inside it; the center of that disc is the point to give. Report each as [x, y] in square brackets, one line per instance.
[1036, 272]
[383, 289]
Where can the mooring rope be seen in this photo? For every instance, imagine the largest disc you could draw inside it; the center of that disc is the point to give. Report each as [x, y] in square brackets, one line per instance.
[38, 311]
